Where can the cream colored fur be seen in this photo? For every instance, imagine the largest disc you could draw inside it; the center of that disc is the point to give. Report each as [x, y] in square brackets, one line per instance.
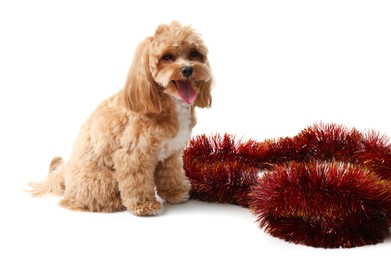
[131, 147]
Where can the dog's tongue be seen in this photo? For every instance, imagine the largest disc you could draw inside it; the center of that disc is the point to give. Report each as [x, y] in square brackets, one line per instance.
[186, 91]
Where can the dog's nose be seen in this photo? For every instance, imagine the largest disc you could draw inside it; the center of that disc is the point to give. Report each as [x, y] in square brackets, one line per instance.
[187, 71]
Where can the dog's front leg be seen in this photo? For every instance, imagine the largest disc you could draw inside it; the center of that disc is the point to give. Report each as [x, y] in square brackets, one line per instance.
[171, 182]
[134, 173]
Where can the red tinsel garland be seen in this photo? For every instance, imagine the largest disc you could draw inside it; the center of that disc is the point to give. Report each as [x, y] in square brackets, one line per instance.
[328, 186]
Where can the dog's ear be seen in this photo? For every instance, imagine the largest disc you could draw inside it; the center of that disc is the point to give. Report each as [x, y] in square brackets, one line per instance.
[204, 97]
[141, 93]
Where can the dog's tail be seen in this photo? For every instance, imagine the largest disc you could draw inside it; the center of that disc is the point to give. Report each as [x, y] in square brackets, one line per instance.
[54, 182]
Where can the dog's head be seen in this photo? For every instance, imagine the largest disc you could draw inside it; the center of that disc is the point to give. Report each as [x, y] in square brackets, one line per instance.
[174, 62]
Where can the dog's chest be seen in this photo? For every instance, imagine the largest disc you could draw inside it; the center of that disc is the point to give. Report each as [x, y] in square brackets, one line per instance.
[179, 141]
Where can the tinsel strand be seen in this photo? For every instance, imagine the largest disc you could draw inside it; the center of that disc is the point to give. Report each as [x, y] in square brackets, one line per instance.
[328, 186]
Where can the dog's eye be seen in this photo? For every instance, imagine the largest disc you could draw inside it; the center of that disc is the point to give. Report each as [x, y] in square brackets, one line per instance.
[168, 57]
[194, 54]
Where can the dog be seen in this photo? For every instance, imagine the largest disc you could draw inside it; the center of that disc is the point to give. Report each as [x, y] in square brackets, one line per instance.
[130, 149]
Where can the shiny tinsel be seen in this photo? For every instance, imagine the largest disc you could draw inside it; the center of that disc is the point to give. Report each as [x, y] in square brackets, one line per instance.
[328, 186]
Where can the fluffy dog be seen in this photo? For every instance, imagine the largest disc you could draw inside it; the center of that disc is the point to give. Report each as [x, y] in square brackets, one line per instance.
[131, 147]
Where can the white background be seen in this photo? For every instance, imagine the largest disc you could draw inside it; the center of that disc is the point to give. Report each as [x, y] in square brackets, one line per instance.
[279, 67]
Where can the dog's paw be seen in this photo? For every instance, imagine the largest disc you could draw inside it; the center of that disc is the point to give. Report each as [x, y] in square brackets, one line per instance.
[175, 196]
[146, 208]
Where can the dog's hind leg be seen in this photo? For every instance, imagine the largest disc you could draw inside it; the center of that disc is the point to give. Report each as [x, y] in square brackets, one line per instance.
[91, 187]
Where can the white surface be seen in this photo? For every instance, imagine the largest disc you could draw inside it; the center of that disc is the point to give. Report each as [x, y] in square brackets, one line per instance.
[279, 67]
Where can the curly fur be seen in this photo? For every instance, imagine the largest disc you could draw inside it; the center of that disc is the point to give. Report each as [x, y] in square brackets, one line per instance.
[131, 147]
